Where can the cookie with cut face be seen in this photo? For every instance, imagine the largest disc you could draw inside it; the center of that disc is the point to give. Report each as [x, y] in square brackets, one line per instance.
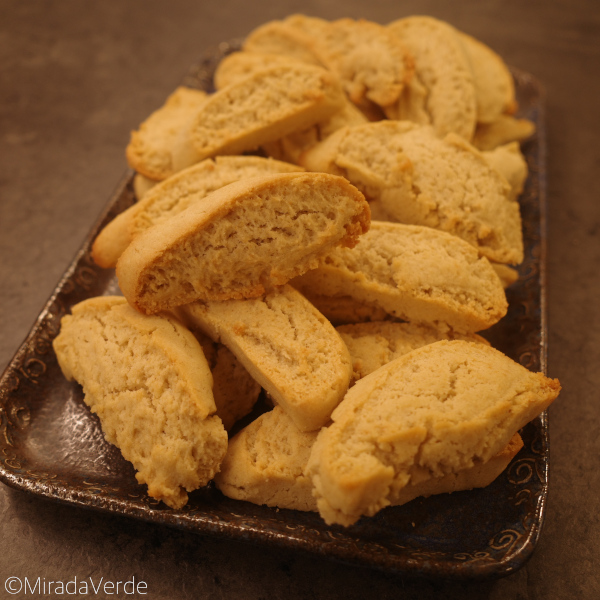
[175, 194]
[416, 274]
[434, 411]
[266, 464]
[445, 95]
[418, 178]
[149, 383]
[241, 240]
[161, 145]
[287, 346]
[264, 107]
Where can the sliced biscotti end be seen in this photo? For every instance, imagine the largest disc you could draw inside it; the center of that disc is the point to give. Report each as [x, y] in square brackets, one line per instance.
[504, 130]
[287, 346]
[282, 38]
[155, 147]
[494, 85]
[265, 107]
[113, 239]
[148, 381]
[442, 68]
[416, 274]
[265, 464]
[173, 195]
[376, 343]
[241, 240]
[434, 411]
[191, 185]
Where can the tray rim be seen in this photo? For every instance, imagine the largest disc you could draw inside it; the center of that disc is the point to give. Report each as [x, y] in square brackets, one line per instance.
[181, 519]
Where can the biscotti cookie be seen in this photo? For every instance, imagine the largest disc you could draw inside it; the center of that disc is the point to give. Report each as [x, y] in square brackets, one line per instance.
[494, 85]
[434, 411]
[265, 107]
[242, 239]
[162, 146]
[234, 389]
[509, 161]
[370, 61]
[443, 70]
[266, 464]
[372, 345]
[175, 194]
[286, 345]
[504, 130]
[278, 37]
[148, 381]
[420, 179]
[416, 274]
[507, 274]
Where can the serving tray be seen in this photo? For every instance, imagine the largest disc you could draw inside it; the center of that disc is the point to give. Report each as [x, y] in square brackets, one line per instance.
[52, 446]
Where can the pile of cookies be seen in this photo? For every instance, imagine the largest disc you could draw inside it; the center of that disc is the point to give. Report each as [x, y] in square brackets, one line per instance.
[334, 226]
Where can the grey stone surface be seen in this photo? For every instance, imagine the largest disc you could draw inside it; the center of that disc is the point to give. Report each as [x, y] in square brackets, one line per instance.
[76, 76]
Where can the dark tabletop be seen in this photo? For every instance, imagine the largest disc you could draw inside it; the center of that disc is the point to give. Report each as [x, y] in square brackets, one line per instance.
[77, 75]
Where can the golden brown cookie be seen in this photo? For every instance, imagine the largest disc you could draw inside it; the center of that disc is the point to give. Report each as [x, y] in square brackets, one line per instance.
[434, 411]
[148, 381]
[242, 239]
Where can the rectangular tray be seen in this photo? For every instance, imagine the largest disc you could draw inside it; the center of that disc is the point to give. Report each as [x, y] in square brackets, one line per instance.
[52, 446]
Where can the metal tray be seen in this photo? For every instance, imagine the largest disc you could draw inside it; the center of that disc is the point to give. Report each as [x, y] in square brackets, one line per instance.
[52, 446]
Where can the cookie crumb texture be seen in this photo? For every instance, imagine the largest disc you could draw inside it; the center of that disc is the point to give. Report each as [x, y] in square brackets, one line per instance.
[264, 107]
[420, 179]
[414, 273]
[435, 411]
[244, 239]
[148, 381]
[287, 346]
[174, 195]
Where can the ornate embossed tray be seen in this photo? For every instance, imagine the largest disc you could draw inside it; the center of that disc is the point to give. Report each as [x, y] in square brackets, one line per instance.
[51, 445]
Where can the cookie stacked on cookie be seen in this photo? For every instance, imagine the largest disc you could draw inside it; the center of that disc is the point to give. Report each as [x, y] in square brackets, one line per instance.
[374, 208]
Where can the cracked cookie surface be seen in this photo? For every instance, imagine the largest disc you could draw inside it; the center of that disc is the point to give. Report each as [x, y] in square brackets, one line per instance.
[242, 240]
[434, 411]
[148, 381]
[287, 345]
